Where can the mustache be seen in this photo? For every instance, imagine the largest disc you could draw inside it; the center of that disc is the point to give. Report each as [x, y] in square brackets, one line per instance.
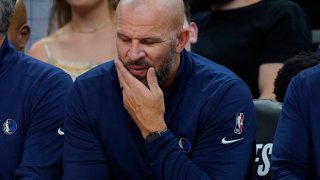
[140, 62]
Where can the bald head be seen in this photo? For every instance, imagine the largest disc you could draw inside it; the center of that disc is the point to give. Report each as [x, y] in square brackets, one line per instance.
[20, 15]
[19, 31]
[171, 12]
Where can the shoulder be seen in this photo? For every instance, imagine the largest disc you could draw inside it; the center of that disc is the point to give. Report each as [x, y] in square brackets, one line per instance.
[205, 68]
[283, 7]
[39, 49]
[304, 87]
[37, 71]
[308, 78]
[211, 76]
[99, 76]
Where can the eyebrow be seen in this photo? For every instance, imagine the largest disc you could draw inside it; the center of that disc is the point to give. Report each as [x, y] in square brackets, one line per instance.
[122, 35]
[144, 38]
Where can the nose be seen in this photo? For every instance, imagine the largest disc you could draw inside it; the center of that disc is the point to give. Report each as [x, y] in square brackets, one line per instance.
[136, 52]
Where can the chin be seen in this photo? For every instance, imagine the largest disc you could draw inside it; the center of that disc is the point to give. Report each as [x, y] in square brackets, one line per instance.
[143, 79]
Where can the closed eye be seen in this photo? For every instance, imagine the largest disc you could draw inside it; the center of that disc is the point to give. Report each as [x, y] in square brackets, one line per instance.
[150, 41]
[123, 38]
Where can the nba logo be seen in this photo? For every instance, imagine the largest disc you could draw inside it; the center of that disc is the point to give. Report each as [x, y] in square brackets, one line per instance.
[239, 123]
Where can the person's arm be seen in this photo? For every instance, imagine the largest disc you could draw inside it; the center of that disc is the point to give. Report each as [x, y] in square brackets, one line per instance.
[42, 153]
[83, 155]
[219, 153]
[291, 147]
[267, 74]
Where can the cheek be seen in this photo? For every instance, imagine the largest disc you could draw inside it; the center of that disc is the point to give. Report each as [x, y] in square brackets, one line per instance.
[122, 50]
[156, 56]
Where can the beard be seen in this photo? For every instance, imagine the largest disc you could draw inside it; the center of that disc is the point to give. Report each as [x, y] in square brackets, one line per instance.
[162, 72]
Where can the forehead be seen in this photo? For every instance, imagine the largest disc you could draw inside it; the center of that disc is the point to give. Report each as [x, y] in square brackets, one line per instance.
[142, 21]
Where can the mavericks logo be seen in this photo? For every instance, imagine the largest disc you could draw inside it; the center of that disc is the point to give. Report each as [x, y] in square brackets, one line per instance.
[9, 127]
[185, 145]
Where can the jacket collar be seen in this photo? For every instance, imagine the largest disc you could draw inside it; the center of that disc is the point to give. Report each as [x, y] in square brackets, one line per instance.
[4, 50]
[182, 72]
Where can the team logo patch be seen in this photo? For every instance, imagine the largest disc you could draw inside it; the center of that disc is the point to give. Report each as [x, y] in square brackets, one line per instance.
[9, 127]
[239, 123]
[185, 145]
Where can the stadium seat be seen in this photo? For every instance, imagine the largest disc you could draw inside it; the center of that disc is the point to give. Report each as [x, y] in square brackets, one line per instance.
[267, 112]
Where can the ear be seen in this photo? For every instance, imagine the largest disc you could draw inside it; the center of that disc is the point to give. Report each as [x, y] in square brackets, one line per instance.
[23, 37]
[183, 38]
[1, 41]
[193, 32]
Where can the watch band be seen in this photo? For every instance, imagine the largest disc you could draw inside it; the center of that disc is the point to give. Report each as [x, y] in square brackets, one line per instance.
[155, 135]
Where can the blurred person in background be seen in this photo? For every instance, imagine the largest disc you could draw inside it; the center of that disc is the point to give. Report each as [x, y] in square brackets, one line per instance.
[253, 38]
[85, 35]
[190, 25]
[19, 30]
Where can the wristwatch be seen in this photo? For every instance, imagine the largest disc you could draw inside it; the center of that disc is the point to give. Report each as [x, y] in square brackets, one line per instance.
[155, 135]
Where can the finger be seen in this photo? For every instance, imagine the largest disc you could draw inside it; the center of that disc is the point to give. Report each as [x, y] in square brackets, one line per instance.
[119, 64]
[152, 80]
[127, 79]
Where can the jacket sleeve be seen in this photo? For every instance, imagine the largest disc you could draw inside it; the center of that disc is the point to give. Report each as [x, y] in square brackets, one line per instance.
[291, 148]
[42, 153]
[83, 155]
[225, 149]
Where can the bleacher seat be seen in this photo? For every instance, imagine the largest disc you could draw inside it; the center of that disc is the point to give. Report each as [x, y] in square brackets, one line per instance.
[267, 112]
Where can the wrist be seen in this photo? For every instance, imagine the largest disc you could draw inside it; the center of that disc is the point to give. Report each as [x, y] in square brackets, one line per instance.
[155, 135]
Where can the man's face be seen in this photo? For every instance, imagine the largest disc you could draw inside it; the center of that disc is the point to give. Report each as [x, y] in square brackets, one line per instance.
[143, 42]
[13, 35]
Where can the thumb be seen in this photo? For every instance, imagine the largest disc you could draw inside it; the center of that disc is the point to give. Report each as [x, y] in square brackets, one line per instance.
[152, 80]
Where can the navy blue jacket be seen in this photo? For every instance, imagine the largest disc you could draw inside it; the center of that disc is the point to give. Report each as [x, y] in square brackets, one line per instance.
[209, 112]
[32, 101]
[296, 147]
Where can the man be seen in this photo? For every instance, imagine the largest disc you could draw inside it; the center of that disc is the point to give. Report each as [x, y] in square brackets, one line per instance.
[296, 149]
[19, 31]
[32, 97]
[158, 111]
[253, 38]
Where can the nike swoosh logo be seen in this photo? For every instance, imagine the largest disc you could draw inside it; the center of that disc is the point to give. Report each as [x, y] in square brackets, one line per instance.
[224, 141]
[60, 132]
